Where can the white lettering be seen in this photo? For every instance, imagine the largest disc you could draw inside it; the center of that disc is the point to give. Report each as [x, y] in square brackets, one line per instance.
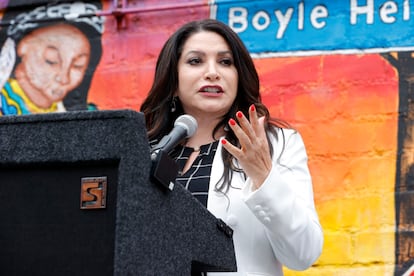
[406, 7]
[261, 20]
[386, 10]
[317, 13]
[283, 20]
[368, 10]
[257, 21]
[301, 16]
[238, 19]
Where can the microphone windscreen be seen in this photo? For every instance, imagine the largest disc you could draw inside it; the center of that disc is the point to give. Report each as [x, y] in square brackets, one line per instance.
[188, 122]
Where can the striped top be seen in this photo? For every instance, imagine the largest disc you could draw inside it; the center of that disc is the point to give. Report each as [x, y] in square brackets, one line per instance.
[197, 178]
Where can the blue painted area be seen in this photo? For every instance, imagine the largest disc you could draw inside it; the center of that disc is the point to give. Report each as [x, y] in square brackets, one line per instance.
[319, 25]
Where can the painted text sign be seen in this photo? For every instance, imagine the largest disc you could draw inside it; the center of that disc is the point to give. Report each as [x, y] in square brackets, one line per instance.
[319, 25]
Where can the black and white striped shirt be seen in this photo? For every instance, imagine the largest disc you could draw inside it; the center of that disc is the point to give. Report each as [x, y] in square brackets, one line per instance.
[196, 179]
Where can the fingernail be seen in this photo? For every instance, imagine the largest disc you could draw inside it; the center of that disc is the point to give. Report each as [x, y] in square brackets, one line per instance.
[252, 107]
[239, 114]
[232, 122]
[224, 141]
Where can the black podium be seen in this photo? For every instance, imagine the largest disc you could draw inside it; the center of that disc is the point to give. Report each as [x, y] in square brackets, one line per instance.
[76, 199]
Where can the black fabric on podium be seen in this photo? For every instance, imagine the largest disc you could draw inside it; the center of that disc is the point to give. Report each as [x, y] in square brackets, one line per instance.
[144, 229]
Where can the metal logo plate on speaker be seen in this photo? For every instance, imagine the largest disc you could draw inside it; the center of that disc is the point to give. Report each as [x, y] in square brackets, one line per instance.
[93, 192]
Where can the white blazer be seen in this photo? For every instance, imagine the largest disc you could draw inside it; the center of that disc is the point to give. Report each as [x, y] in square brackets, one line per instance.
[277, 224]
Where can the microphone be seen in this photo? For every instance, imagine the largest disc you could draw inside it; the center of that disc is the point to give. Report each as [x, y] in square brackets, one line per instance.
[184, 126]
[163, 169]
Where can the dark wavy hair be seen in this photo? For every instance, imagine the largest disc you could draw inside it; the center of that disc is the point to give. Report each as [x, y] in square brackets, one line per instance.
[156, 107]
[77, 98]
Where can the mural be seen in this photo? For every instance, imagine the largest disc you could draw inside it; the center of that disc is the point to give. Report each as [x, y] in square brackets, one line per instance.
[48, 57]
[340, 72]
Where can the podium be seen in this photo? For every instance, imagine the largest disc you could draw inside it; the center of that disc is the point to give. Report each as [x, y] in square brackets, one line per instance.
[76, 199]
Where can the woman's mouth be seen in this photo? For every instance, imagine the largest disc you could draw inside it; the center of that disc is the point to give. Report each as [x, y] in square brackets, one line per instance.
[211, 89]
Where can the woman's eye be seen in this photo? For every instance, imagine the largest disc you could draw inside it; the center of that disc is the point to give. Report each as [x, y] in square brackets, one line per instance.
[226, 61]
[194, 61]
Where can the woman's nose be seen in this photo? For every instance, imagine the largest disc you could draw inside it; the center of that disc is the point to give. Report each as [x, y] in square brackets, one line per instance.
[212, 73]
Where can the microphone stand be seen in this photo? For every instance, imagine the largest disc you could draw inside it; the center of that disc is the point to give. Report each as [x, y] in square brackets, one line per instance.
[164, 169]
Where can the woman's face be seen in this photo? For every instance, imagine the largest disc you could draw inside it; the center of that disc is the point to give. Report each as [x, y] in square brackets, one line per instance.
[53, 62]
[207, 77]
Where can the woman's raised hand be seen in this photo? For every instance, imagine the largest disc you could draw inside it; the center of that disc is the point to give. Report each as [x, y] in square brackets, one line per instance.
[253, 155]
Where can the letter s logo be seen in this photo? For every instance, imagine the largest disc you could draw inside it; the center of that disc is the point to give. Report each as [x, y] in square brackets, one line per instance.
[93, 192]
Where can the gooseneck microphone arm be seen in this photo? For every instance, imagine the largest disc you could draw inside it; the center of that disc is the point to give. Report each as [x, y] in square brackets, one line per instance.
[164, 169]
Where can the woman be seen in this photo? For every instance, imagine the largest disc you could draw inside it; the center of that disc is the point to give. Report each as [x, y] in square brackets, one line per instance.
[249, 170]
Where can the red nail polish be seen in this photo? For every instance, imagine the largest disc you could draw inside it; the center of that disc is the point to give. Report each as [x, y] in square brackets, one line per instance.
[224, 141]
[252, 107]
[239, 114]
[232, 122]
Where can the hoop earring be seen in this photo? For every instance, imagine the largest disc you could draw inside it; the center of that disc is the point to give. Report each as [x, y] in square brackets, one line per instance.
[174, 104]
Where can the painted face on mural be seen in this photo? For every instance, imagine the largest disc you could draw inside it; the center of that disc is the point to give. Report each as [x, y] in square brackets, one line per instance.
[207, 77]
[53, 62]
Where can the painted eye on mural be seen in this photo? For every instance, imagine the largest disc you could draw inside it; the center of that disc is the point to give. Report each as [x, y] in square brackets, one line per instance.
[51, 56]
[51, 62]
[80, 63]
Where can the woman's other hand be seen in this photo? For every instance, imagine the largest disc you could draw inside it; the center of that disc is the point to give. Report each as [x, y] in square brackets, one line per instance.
[253, 155]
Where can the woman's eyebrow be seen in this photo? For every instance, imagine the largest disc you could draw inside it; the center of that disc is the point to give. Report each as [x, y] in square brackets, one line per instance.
[220, 53]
